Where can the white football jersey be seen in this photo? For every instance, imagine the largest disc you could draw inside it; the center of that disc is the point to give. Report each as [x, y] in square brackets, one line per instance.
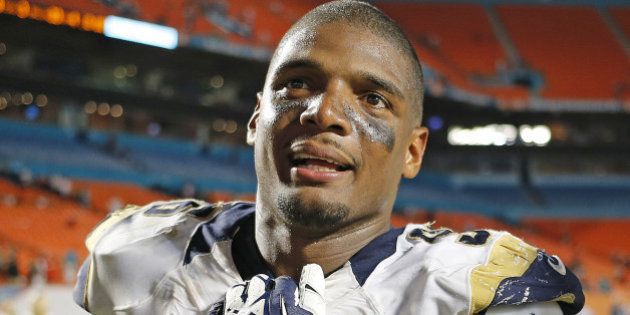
[180, 257]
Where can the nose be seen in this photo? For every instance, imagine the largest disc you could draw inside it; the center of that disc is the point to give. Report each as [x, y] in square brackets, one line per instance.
[327, 111]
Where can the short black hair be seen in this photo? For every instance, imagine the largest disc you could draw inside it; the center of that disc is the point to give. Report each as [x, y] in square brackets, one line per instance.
[365, 15]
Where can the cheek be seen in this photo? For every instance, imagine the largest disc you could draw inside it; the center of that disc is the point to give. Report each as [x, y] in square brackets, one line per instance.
[274, 118]
[374, 129]
[279, 113]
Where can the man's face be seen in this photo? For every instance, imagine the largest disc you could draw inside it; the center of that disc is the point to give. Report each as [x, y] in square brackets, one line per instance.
[335, 129]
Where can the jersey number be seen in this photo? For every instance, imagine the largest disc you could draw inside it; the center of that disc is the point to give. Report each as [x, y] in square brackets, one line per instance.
[428, 235]
[475, 238]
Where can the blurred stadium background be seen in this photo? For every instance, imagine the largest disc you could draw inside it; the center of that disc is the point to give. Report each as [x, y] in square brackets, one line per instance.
[528, 103]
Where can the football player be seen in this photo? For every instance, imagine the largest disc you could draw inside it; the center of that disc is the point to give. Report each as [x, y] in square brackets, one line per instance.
[334, 130]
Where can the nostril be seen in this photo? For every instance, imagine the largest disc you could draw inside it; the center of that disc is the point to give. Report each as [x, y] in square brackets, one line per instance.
[337, 128]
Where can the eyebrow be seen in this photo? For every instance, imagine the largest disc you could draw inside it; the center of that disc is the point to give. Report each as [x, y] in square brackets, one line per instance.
[298, 63]
[386, 85]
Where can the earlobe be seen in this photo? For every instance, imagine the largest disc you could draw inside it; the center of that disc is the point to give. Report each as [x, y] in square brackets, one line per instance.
[415, 152]
[253, 121]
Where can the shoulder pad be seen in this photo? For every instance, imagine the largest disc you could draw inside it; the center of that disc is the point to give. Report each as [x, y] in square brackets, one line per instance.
[193, 207]
[122, 268]
[516, 273]
[475, 270]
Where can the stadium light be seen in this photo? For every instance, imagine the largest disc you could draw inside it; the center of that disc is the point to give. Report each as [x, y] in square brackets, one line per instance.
[490, 135]
[140, 32]
[499, 135]
[535, 135]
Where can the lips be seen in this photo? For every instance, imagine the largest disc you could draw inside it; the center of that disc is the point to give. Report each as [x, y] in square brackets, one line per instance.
[319, 164]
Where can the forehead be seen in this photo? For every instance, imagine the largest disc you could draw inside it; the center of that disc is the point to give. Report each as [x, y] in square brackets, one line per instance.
[345, 49]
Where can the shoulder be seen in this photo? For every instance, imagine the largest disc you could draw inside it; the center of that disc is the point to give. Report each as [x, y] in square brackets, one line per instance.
[445, 247]
[162, 219]
[133, 248]
[500, 268]
[133, 223]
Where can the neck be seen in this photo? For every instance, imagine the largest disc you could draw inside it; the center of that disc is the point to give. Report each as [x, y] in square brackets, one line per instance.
[287, 248]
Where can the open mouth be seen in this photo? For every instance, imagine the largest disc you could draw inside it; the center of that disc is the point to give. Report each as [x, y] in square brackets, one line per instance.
[318, 164]
[311, 164]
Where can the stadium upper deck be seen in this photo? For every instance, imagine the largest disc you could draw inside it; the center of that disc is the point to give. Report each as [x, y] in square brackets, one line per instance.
[556, 55]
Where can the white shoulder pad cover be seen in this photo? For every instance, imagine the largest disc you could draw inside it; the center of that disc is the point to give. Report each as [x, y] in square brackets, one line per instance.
[443, 272]
[132, 250]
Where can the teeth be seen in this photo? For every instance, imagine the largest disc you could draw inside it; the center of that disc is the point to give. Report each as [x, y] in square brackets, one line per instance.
[320, 168]
[303, 156]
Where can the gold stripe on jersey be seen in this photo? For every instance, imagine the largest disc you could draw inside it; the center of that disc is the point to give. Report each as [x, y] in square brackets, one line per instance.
[107, 223]
[509, 257]
[568, 298]
[87, 285]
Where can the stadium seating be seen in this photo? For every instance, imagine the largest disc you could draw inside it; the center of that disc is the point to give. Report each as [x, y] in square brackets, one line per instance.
[458, 42]
[268, 20]
[42, 223]
[571, 46]
[169, 164]
[144, 160]
[599, 236]
[104, 195]
[461, 33]
[51, 144]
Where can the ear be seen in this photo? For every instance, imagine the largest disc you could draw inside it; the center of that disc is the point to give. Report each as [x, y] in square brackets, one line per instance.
[253, 121]
[415, 152]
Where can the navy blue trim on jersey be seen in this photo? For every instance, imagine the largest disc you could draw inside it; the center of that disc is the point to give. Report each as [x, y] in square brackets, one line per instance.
[245, 253]
[236, 222]
[541, 283]
[365, 260]
[78, 293]
[202, 212]
[222, 227]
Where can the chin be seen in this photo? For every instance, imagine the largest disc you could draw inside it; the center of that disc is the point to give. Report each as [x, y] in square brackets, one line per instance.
[311, 209]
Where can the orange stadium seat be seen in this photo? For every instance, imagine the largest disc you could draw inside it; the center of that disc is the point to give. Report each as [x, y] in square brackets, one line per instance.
[270, 19]
[219, 196]
[6, 187]
[599, 303]
[599, 236]
[50, 229]
[571, 46]
[164, 12]
[456, 40]
[399, 220]
[461, 221]
[461, 32]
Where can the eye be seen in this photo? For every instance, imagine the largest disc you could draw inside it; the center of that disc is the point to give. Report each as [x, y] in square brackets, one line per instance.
[375, 100]
[296, 84]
